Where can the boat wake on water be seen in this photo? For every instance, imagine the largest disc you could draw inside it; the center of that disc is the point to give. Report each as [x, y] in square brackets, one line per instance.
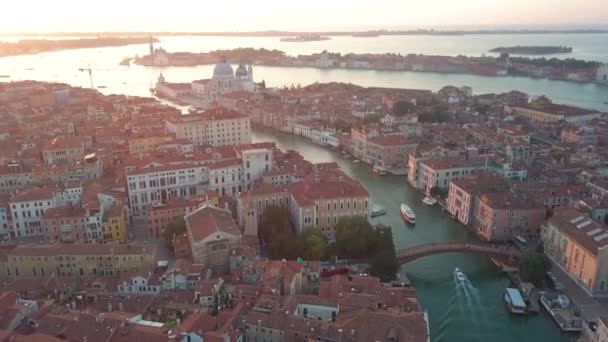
[465, 303]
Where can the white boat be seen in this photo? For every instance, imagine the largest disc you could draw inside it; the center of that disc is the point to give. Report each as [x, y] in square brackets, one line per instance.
[515, 302]
[459, 276]
[379, 170]
[428, 200]
[356, 161]
[407, 213]
[377, 211]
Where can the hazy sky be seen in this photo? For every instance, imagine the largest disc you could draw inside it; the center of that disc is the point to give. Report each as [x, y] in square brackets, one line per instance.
[242, 15]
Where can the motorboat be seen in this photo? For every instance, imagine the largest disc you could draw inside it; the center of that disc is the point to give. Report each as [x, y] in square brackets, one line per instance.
[459, 276]
[407, 213]
[377, 211]
[379, 170]
[428, 200]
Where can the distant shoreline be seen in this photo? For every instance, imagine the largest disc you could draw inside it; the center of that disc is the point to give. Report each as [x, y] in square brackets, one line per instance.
[295, 33]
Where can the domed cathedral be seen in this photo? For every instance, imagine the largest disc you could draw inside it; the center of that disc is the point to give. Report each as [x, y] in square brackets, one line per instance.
[225, 80]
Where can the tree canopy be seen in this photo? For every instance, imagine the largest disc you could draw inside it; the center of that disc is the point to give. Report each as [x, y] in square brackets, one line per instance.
[277, 233]
[313, 244]
[174, 228]
[401, 108]
[533, 266]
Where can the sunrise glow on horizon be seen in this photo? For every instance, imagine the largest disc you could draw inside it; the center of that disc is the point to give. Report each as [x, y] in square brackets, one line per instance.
[242, 15]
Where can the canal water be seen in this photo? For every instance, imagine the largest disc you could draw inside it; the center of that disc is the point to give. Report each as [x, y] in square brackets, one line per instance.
[473, 312]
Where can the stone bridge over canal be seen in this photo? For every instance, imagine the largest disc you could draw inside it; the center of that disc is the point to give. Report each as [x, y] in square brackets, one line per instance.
[503, 252]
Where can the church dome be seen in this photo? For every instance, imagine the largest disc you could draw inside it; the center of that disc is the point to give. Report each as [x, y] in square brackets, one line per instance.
[240, 71]
[223, 69]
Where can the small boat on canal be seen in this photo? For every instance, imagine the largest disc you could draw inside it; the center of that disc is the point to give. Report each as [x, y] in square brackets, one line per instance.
[377, 211]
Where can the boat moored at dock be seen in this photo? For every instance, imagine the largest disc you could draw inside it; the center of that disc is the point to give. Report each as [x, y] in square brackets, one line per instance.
[515, 301]
[377, 211]
[428, 200]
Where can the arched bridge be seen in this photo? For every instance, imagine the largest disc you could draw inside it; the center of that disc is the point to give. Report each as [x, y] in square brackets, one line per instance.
[491, 250]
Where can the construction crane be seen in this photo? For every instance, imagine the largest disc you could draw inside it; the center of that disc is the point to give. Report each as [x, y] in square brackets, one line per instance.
[90, 74]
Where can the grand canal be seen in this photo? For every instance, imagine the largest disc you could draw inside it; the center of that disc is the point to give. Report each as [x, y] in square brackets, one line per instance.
[473, 312]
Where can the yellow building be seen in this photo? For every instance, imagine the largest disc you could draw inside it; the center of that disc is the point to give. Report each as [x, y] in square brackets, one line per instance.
[110, 259]
[323, 198]
[146, 141]
[579, 246]
[115, 224]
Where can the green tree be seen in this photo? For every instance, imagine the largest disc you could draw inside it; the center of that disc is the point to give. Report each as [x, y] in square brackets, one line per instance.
[341, 125]
[174, 228]
[277, 233]
[353, 235]
[372, 119]
[384, 263]
[401, 108]
[533, 266]
[275, 221]
[313, 244]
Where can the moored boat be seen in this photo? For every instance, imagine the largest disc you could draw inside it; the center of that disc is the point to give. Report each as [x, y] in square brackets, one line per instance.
[515, 301]
[377, 211]
[379, 170]
[428, 200]
[407, 213]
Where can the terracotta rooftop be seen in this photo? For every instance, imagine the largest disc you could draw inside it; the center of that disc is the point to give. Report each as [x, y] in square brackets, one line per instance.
[589, 234]
[326, 185]
[208, 220]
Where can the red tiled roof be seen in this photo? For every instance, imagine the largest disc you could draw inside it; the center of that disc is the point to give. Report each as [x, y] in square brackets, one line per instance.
[326, 185]
[208, 220]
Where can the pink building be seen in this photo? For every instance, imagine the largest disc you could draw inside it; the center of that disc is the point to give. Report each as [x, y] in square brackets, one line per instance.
[502, 216]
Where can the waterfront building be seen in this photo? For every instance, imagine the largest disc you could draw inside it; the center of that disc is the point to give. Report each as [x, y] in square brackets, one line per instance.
[463, 194]
[390, 151]
[501, 216]
[544, 111]
[325, 196]
[579, 246]
[214, 127]
[212, 233]
[76, 259]
[439, 172]
[172, 90]
[425, 152]
[225, 80]
[602, 74]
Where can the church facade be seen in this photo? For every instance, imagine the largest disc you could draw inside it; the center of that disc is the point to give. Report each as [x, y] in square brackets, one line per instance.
[225, 80]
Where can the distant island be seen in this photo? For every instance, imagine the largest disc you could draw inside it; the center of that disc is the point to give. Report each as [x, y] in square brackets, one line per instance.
[33, 46]
[305, 38]
[533, 50]
[558, 69]
[278, 33]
